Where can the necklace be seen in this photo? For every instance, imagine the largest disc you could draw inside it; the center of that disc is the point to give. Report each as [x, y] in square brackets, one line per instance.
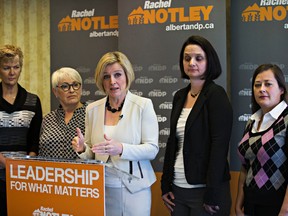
[113, 110]
[195, 95]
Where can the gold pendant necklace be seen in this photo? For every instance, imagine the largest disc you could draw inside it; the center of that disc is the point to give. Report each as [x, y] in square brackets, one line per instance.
[194, 95]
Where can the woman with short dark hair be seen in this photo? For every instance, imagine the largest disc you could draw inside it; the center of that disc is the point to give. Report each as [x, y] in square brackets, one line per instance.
[196, 173]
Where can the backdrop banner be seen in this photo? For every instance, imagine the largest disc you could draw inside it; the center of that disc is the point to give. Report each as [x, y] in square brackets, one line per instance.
[81, 32]
[36, 187]
[259, 31]
[151, 35]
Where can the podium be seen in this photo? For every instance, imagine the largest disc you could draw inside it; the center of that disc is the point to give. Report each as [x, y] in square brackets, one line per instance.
[40, 187]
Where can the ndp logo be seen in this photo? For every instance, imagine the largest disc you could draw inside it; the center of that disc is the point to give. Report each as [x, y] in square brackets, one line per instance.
[269, 10]
[244, 117]
[176, 67]
[161, 118]
[166, 106]
[164, 132]
[85, 92]
[89, 80]
[134, 91]
[248, 66]
[144, 80]
[245, 92]
[162, 145]
[157, 67]
[168, 80]
[99, 93]
[137, 68]
[157, 93]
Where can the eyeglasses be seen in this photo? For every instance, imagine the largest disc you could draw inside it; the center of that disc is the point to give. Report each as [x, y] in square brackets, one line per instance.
[66, 86]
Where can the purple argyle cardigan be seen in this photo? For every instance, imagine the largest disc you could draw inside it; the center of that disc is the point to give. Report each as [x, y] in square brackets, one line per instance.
[264, 156]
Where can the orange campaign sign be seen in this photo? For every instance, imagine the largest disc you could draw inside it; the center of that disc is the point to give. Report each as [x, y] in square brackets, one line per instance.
[42, 188]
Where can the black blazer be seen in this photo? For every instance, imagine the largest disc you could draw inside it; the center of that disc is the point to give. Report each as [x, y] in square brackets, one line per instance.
[206, 140]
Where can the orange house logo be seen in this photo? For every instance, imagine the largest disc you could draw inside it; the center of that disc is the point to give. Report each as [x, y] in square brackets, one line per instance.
[255, 13]
[65, 24]
[136, 17]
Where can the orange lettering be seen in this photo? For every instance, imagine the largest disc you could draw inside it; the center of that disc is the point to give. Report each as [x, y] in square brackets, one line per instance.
[113, 21]
[99, 22]
[103, 24]
[86, 23]
[195, 13]
[149, 16]
[95, 21]
[76, 24]
[279, 13]
[161, 16]
[207, 11]
[182, 17]
[174, 15]
[266, 13]
[173, 12]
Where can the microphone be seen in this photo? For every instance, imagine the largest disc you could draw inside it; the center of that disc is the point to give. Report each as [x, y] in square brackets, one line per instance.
[120, 117]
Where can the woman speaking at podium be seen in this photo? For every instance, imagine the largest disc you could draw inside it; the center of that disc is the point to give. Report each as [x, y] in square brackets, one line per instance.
[121, 129]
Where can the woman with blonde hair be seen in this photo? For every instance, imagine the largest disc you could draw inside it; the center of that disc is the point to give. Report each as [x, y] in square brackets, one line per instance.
[122, 130]
[20, 114]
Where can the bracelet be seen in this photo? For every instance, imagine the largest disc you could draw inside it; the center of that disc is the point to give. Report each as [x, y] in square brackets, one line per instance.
[83, 150]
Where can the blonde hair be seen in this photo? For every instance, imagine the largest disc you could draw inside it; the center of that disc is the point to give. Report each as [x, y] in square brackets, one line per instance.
[9, 52]
[109, 59]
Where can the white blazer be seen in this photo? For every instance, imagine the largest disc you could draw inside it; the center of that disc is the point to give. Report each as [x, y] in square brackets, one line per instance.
[138, 132]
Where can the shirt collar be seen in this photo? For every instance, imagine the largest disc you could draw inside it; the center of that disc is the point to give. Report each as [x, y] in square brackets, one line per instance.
[274, 113]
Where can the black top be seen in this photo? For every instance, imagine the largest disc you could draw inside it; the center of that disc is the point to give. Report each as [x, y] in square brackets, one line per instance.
[206, 141]
[20, 122]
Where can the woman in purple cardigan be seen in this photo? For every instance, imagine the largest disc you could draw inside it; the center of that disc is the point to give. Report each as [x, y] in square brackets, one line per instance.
[262, 186]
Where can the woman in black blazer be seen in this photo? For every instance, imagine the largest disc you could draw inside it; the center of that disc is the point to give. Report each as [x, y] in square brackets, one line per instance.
[196, 176]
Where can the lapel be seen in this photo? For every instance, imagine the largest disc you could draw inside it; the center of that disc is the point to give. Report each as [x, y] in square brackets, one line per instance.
[178, 106]
[198, 106]
[120, 127]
